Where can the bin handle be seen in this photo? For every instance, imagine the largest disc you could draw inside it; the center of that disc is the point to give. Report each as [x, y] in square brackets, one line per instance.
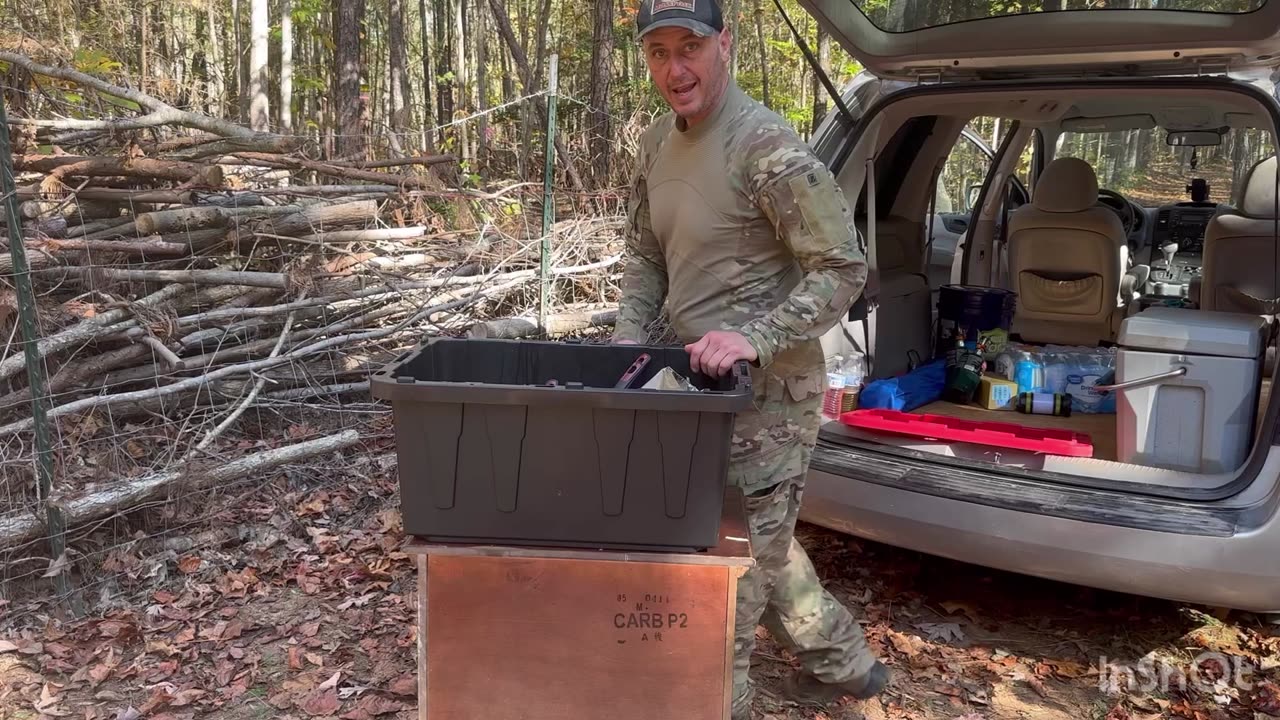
[1139, 382]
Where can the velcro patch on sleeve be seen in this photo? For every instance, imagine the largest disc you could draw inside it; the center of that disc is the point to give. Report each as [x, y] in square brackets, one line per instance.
[826, 217]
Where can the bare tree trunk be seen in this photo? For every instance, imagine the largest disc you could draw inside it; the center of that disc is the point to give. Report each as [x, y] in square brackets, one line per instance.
[144, 45]
[731, 22]
[398, 81]
[531, 77]
[350, 140]
[217, 78]
[460, 73]
[428, 116]
[482, 84]
[819, 92]
[764, 55]
[286, 66]
[601, 71]
[526, 75]
[242, 59]
[259, 103]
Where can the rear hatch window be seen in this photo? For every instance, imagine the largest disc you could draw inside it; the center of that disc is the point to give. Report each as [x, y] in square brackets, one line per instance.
[910, 15]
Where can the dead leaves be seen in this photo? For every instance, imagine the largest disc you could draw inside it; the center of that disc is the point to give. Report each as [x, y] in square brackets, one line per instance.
[371, 706]
[1266, 698]
[168, 696]
[189, 564]
[321, 702]
[406, 685]
[943, 632]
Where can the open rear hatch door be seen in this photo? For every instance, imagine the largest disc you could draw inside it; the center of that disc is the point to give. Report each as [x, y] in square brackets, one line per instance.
[944, 40]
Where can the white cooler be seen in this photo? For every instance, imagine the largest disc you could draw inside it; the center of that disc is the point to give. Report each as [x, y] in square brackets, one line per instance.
[1169, 360]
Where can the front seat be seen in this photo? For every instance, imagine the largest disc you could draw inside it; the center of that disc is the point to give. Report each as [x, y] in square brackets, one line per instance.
[1238, 273]
[1067, 258]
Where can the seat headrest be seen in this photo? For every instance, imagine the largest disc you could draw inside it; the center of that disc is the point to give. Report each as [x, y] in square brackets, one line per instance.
[1259, 200]
[1066, 185]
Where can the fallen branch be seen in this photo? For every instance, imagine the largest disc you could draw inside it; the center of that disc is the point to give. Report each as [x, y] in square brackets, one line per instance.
[519, 327]
[196, 277]
[226, 146]
[18, 528]
[338, 237]
[153, 246]
[86, 330]
[397, 162]
[61, 167]
[274, 161]
[161, 113]
[312, 218]
[202, 380]
[160, 197]
[248, 401]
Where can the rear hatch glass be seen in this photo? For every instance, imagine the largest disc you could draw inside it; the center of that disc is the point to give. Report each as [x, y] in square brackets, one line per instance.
[910, 15]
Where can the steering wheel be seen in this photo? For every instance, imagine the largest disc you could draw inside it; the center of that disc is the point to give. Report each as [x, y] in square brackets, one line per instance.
[1118, 204]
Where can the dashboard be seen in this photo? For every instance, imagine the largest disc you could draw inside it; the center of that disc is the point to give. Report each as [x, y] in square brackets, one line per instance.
[1153, 234]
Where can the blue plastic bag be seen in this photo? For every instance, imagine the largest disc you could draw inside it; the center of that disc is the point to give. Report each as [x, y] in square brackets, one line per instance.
[908, 391]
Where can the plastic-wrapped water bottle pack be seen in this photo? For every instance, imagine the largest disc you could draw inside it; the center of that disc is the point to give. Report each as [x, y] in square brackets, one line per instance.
[1061, 369]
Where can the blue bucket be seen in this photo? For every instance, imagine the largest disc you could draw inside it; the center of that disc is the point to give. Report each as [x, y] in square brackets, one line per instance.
[981, 313]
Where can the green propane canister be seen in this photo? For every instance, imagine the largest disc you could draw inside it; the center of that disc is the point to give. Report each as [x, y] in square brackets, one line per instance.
[1044, 404]
[964, 372]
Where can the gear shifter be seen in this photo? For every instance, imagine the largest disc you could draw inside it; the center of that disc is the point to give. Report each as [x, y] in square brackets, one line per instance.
[1167, 284]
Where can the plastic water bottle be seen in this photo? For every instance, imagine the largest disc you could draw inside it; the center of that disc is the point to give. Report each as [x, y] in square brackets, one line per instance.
[1028, 373]
[844, 382]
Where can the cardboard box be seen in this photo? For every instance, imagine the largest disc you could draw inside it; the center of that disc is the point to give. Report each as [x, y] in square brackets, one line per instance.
[996, 393]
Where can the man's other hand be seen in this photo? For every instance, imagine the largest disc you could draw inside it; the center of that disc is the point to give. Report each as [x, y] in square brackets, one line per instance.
[717, 351]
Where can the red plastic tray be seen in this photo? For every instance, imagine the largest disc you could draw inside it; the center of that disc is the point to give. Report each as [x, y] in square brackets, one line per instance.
[997, 434]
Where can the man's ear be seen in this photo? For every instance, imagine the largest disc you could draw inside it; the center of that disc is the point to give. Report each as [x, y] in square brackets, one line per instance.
[725, 43]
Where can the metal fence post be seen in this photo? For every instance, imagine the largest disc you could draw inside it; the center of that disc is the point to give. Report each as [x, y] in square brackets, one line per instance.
[548, 201]
[55, 523]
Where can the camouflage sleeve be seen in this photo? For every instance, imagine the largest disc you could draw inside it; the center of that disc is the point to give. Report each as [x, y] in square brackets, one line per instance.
[800, 197]
[644, 277]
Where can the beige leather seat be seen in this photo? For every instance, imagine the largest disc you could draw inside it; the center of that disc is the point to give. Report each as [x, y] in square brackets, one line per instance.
[1067, 258]
[1238, 273]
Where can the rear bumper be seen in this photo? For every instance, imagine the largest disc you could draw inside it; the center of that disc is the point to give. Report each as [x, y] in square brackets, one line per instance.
[1228, 566]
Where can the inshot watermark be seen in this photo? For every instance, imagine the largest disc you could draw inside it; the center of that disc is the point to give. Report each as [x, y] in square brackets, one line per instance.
[1209, 672]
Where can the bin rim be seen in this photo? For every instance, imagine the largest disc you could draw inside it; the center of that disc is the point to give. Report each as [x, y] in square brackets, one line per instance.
[387, 384]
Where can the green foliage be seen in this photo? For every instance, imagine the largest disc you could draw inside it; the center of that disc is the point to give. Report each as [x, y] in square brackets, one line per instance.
[94, 62]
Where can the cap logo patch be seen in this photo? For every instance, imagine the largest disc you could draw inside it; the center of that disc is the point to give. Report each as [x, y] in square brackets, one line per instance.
[660, 6]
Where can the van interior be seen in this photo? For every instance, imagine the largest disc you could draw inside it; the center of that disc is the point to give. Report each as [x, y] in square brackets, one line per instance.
[1110, 244]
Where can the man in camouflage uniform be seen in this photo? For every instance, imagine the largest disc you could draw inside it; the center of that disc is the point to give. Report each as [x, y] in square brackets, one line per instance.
[743, 234]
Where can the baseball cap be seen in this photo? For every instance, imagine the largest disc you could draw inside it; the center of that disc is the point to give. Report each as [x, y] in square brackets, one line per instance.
[701, 16]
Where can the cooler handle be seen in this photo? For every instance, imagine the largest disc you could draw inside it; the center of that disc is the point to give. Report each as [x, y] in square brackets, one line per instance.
[1139, 382]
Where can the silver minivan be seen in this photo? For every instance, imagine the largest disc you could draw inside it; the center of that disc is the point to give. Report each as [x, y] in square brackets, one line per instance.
[1113, 170]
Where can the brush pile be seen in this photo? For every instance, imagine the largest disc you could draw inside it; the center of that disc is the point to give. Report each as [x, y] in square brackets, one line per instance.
[187, 269]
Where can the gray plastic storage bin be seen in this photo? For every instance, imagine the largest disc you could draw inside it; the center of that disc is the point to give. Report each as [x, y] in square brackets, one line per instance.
[489, 453]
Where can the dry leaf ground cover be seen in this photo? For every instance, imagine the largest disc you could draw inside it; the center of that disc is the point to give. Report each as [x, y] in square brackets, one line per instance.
[296, 603]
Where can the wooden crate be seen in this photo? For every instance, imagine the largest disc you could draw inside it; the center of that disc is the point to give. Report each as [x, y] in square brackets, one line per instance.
[508, 633]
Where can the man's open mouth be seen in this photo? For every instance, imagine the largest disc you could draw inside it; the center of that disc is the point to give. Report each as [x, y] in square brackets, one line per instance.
[683, 92]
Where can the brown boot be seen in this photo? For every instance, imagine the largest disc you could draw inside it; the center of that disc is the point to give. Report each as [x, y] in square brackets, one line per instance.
[805, 688]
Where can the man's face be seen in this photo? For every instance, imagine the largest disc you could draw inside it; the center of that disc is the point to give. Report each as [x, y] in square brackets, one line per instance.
[690, 71]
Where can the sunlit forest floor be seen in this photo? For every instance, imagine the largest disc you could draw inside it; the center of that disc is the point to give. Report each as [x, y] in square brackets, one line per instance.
[302, 607]
[1166, 182]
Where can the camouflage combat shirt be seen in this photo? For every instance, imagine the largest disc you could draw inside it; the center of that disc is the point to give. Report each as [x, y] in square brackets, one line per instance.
[735, 224]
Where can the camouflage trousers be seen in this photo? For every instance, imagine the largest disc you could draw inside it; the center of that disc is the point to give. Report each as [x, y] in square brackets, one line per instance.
[782, 590]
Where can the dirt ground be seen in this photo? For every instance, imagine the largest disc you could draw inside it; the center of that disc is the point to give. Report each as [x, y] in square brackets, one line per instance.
[300, 607]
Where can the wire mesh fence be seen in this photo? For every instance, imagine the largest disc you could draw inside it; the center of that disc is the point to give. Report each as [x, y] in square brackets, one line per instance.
[202, 350]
